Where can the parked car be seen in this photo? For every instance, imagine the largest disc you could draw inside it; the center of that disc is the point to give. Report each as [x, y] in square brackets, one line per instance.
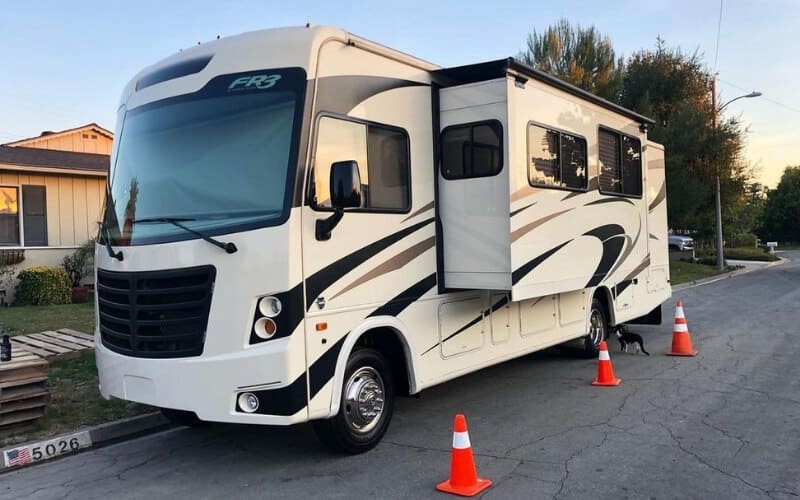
[680, 243]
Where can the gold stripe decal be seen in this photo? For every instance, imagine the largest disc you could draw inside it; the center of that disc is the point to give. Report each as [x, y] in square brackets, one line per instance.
[392, 264]
[421, 210]
[519, 233]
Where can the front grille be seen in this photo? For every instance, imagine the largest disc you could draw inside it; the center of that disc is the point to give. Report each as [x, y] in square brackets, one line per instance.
[155, 314]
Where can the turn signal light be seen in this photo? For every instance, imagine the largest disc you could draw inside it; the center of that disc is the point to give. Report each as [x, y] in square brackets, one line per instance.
[265, 328]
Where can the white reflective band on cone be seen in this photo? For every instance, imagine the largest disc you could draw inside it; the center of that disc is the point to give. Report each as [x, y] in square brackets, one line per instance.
[681, 328]
[604, 356]
[679, 312]
[461, 440]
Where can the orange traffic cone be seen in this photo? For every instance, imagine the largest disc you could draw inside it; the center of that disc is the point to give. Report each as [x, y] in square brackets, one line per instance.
[464, 479]
[605, 372]
[681, 341]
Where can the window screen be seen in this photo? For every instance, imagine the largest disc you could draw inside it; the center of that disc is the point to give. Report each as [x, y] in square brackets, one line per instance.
[472, 150]
[9, 216]
[620, 164]
[382, 157]
[34, 215]
[556, 158]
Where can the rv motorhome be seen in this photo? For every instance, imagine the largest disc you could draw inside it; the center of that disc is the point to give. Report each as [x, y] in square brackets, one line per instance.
[302, 223]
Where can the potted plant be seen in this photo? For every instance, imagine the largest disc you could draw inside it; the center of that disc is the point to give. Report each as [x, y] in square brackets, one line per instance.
[79, 265]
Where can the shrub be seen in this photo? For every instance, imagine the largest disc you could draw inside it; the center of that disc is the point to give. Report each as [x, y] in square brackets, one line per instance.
[79, 265]
[43, 286]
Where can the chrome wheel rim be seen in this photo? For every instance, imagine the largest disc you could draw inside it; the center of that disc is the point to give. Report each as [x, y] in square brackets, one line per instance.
[597, 327]
[363, 400]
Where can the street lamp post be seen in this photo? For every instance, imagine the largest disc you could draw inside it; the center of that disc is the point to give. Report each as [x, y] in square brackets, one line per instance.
[720, 256]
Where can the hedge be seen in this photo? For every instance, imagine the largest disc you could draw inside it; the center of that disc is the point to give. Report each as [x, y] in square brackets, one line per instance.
[43, 286]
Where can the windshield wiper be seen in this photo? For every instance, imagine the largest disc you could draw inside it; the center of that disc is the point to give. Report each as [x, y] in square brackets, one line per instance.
[229, 247]
[107, 241]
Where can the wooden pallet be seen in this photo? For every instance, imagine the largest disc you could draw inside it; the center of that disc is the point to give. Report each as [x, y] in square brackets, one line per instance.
[61, 344]
[24, 391]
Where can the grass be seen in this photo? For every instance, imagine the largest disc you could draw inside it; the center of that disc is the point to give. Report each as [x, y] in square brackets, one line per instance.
[741, 253]
[75, 403]
[35, 319]
[683, 272]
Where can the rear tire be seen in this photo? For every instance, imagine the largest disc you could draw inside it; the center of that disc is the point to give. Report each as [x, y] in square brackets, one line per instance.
[598, 329]
[182, 417]
[366, 405]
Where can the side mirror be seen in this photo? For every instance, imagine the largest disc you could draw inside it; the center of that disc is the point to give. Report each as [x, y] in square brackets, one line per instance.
[345, 185]
[345, 193]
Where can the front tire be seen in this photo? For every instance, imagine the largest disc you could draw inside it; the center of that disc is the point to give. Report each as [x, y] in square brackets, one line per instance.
[598, 329]
[366, 406]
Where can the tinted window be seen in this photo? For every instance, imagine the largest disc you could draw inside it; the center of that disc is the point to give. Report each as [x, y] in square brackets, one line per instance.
[556, 158]
[34, 205]
[620, 164]
[472, 150]
[631, 166]
[382, 157]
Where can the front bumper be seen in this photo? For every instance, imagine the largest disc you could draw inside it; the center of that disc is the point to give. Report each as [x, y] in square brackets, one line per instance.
[207, 386]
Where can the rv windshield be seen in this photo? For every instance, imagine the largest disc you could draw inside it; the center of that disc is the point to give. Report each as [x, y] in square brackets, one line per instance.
[222, 159]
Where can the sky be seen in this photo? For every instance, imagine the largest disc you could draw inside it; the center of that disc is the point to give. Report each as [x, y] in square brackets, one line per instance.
[64, 64]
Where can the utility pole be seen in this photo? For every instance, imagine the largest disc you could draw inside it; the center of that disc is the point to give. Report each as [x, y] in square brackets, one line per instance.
[715, 114]
[720, 256]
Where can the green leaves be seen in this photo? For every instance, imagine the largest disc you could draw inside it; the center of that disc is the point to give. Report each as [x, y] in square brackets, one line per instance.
[43, 286]
[580, 56]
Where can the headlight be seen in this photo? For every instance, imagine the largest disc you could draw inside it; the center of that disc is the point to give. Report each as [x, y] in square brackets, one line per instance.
[270, 306]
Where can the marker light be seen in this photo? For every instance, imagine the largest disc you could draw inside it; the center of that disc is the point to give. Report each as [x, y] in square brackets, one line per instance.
[265, 328]
[269, 306]
[248, 402]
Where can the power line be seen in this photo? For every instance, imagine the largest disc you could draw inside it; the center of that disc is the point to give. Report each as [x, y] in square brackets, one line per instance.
[719, 28]
[773, 101]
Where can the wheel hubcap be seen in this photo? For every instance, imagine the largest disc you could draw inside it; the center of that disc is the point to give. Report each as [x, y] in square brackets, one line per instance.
[597, 327]
[363, 400]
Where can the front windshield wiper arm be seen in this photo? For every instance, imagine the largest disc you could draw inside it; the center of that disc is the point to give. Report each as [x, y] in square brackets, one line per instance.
[229, 247]
[107, 240]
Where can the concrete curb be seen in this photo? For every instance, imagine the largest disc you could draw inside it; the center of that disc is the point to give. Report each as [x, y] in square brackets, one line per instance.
[98, 436]
[731, 274]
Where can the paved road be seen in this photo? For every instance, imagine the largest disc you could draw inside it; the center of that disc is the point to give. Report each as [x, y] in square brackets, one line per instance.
[725, 424]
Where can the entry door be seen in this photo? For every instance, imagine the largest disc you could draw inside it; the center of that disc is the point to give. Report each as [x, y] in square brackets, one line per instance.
[381, 257]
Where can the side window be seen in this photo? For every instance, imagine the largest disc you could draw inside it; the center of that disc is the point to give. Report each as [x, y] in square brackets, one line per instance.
[620, 164]
[472, 150]
[556, 159]
[382, 157]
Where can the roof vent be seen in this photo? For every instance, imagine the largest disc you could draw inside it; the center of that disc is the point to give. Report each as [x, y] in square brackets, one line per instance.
[47, 132]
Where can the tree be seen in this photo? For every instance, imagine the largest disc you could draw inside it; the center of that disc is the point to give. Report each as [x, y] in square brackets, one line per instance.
[580, 56]
[782, 211]
[673, 88]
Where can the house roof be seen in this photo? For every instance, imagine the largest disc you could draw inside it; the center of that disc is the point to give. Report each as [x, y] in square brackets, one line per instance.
[53, 160]
[49, 134]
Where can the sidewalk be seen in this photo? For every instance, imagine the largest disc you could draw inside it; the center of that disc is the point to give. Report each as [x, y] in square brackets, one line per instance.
[749, 266]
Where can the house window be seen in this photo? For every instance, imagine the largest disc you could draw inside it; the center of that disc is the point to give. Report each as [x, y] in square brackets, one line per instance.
[33, 222]
[472, 150]
[382, 154]
[34, 215]
[9, 216]
[556, 159]
[620, 164]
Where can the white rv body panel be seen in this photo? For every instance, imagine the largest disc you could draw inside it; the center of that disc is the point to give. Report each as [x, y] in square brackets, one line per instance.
[432, 283]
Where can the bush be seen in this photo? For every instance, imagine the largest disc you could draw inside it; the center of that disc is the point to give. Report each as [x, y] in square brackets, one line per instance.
[79, 265]
[43, 286]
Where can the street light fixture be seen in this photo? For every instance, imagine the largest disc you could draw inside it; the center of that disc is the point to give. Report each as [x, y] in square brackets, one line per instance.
[720, 256]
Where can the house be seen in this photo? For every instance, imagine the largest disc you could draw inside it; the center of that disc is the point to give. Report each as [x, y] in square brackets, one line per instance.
[52, 190]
